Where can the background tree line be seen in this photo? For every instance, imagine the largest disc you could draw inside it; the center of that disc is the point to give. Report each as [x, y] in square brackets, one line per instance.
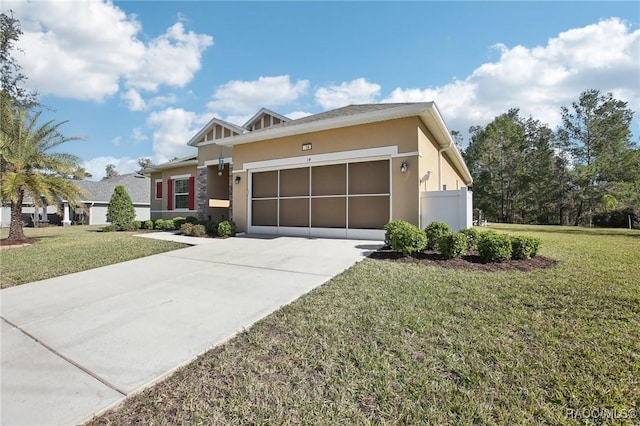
[586, 172]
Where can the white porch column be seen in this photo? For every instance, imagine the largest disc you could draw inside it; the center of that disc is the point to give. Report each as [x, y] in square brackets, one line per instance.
[66, 221]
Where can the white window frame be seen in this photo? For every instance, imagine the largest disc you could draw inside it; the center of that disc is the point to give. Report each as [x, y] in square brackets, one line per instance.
[176, 193]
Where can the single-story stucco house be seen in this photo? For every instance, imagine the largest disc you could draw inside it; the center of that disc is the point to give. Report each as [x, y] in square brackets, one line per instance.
[341, 173]
[96, 200]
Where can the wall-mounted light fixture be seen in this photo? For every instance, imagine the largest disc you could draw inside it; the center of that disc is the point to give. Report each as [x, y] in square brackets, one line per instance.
[306, 146]
[220, 165]
[237, 179]
[403, 167]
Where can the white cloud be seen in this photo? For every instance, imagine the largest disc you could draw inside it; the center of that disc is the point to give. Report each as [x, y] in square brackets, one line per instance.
[134, 100]
[173, 127]
[117, 140]
[358, 91]
[170, 59]
[541, 79]
[96, 166]
[247, 97]
[82, 50]
[137, 135]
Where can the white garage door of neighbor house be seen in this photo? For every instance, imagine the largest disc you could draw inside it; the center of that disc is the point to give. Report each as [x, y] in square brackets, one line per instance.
[98, 215]
[347, 200]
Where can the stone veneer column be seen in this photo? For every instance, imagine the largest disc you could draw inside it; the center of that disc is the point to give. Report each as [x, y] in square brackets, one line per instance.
[201, 193]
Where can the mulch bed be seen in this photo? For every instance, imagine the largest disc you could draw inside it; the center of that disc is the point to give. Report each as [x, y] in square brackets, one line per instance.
[471, 261]
[4, 243]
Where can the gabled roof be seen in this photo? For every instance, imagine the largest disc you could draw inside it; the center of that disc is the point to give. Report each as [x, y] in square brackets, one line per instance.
[212, 124]
[137, 186]
[354, 115]
[178, 162]
[260, 114]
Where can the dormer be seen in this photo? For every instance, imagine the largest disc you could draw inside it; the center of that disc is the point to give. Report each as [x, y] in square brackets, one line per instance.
[263, 119]
[216, 130]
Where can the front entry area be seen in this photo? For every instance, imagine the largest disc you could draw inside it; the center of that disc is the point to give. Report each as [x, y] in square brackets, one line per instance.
[346, 200]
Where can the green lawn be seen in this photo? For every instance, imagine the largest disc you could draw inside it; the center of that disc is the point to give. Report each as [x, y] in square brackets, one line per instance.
[390, 343]
[62, 250]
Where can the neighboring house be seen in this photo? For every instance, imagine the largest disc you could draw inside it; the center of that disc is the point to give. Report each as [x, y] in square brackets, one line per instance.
[341, 173]
[98, 194]
[96, 200]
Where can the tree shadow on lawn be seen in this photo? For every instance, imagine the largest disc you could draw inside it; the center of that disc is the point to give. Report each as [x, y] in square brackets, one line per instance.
[471, 261]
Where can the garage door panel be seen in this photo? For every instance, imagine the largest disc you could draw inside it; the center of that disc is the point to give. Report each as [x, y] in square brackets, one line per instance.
[369, 177]
[265, 184]
[294, 182]
[329, 212]
[294, 212]
[329, 180]
[264, 213]
[368, 212]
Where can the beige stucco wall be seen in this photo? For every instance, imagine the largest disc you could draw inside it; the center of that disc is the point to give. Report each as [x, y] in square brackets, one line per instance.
[401, 133]
[212, 152]
[159, 207]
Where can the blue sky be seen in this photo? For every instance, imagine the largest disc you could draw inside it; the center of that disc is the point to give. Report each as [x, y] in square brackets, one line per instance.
[139, 78]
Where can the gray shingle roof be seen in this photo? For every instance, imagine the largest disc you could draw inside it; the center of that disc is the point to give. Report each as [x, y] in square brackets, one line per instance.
[138, 187]
[340, 112]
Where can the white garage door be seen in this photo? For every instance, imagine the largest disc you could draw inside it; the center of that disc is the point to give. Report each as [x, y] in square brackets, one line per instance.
[348, 200]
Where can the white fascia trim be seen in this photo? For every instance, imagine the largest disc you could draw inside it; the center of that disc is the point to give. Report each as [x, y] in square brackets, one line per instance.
[407, 154]
[226, 160]
[209, 125]
[93, 202]
[331, 123]
[331, 157]
[174, 210]
[185, 176]
[262, 111]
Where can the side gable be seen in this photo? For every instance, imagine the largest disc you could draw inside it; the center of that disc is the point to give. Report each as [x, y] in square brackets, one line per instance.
[216, 129]
[263, 119]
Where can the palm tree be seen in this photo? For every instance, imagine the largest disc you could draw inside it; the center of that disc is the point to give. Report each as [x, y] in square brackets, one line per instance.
[28, 165]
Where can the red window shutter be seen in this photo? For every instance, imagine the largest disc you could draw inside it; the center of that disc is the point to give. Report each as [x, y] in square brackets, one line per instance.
[158, 189]
[192, 193]
[170, 194]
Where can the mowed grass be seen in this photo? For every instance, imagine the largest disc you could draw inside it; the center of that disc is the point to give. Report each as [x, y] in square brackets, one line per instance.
[63, 250]
[391, 343]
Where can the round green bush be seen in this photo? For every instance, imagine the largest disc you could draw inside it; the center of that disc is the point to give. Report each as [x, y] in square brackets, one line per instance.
[178, 222]
[405, 237]
[212, 228]
[186, 229]
[524, 247]
[452, 245]
[434, 231]
[472, 237]
[111, 228]
[198, 230]
[494, 247]
[136, 224]
[227, 228]
[165, 224]
[148, 224]
[191, 219]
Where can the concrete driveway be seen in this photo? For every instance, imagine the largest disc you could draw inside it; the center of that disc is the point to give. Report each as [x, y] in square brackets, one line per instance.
[75, 345]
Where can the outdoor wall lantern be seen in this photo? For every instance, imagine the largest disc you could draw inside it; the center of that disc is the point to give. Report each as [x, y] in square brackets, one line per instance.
[403, 167]
[237, 180]
[220, 165]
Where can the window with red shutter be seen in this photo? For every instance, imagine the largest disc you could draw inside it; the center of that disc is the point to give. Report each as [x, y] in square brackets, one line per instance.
[158, 189]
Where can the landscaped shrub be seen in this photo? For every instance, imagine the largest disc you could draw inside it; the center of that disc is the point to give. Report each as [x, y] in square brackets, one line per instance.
[227, 228]
[453, 244]
[120, 211]
[405, 237]
[178, 222]
[524, 247]
[472, 237]
[136, 224]
[148, 224]
[165, 225]
[434, 231]
[191, 219]
[212, 228]
[198, 230]
[186, 229]
[494, 247]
